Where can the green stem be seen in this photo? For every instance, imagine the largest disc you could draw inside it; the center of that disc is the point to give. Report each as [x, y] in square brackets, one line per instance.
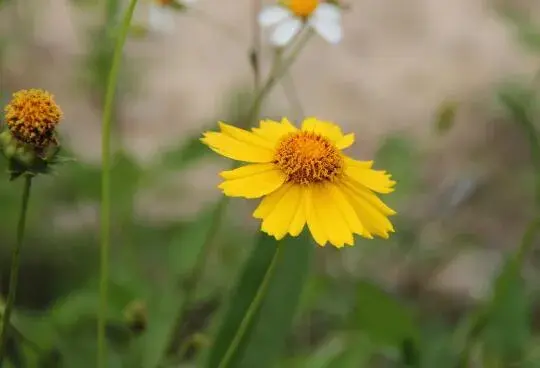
[15, 262]
[292, 95]
[255, 52]
[252, 310]
[277, 72]
[275, 77]
[106, 181]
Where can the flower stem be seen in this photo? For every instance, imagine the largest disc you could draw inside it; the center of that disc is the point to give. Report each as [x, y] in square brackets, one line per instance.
[255, 52]
[15, 261]
[275, 76]
[106, 181]
[278, 71]
[252, 310]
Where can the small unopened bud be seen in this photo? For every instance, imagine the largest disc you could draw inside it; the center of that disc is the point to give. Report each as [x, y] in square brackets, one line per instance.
[136, 316]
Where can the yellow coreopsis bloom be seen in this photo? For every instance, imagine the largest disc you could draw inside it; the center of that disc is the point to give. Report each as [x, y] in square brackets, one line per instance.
[305, 178]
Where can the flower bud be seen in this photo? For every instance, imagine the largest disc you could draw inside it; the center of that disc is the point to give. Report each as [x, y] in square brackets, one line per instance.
[29, 140]
[136, 316]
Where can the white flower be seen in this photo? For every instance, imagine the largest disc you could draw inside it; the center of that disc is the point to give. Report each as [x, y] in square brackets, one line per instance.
[289, 17]
[161, 13]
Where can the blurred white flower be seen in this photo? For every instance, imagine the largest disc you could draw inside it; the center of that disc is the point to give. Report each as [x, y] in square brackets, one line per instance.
[161, 13]
[287, 19]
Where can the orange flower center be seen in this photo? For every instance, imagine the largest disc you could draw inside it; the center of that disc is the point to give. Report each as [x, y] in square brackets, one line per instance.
[308, 157]
[32, 116]
[164, 2]
[302, 8]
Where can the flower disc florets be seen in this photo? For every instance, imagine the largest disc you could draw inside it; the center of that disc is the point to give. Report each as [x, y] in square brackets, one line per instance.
[28, 137]
[302, 8]
[32, 116]
[307, 157]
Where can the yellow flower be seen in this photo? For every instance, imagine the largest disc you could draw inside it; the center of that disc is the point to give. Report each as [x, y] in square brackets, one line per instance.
[305, 178]
[32, 116]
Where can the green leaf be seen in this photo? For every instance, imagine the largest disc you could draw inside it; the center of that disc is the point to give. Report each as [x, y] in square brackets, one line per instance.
[383, 319]
[507, 328]
[164, 305]
[186, 246]
[356, 354]
[526, 31]
[265, 339]
[162, 310]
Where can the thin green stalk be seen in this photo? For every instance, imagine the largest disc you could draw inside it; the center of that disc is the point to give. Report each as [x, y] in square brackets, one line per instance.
[106, 182]
[15, 262]
[276, 76]
[278, 71]
[255, 52]
[252, 310]
[198, 269]
[292, 95]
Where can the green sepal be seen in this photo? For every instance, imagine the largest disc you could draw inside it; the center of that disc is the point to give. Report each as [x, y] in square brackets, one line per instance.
[178, 5]
[23, 159]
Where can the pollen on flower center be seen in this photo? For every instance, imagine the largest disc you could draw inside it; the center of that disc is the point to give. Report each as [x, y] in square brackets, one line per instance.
[307, 157]
[32, 116]
[302, 8]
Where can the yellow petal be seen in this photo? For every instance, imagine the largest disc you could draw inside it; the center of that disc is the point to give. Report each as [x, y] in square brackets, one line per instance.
[377, 181]
[346, 208]
[247, 170]
[334, 223]
[277, 223]
[234, 149]
[299, 220]
[314, 222]
[245, 136]
[324, 128]
[345, 141]
[269, 202]
[253, 186]
[373, 219]
[358, 164]
[370, 197]
[273, 130]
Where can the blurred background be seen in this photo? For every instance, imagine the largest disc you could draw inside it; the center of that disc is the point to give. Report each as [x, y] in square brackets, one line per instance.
[440, 93]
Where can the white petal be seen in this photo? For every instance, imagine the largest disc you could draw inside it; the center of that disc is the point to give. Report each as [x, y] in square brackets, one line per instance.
[285, 31]
[161, 18]
[329, 12]
[272, 15]
[331, 31]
